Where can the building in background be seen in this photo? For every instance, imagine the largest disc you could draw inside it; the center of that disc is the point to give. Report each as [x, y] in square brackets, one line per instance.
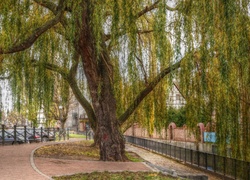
[77, 118]
[175, 98]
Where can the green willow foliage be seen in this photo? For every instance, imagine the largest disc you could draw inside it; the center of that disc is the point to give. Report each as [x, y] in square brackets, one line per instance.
[210, 38]
[215, 75]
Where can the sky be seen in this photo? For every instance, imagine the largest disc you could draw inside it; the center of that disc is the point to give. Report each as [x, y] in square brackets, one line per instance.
[5, 97]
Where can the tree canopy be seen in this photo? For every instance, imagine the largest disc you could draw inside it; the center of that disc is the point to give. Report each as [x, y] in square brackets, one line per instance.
[116, 54]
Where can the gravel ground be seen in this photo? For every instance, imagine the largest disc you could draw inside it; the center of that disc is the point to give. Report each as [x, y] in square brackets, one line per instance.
[170, 166]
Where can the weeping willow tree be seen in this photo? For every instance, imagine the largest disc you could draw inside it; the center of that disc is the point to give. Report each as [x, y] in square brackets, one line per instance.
[215, 76]
[125, 48]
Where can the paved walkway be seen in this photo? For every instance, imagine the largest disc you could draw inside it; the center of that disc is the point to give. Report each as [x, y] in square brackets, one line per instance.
[17, 163]
[170, 166]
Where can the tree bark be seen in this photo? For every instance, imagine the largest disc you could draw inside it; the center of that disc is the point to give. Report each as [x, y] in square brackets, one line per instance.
[99, 71]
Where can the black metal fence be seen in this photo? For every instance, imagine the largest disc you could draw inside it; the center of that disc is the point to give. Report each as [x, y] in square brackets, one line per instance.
[28, 135]
[225, 166]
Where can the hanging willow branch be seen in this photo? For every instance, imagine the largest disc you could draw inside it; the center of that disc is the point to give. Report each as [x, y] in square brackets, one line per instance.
[146, 91]
[28, 42]
[214, 81]
[70, 78]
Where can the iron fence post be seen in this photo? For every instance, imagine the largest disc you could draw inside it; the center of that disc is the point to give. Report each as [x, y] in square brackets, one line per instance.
[3, 133]
[206, 160]
[170, 150]
[175, 152]
[48, 130]
[248, 170]
[235, 171]
[198, 158]
[180, 153]
[41, 132]
[54, 134]
[191, 156]
[34, 132]
[25, 135]
[224, 167]
[166, 149]
[214, 161]
[185, 155]
[157, 146]
[15, 134]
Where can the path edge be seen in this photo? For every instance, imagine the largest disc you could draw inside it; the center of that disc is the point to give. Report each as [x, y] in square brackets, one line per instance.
[34, 166]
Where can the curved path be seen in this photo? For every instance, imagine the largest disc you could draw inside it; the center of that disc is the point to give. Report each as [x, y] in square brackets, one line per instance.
[17, 163]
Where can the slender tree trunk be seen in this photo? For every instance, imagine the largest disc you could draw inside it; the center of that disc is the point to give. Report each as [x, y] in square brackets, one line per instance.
[99, 71]
[62, 124]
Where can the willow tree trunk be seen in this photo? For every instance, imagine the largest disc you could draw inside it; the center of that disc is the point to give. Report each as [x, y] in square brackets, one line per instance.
[99, 71]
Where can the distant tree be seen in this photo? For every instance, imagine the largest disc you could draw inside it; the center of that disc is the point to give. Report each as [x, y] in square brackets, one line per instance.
[57, 110]
[16, 118]
[178, 116]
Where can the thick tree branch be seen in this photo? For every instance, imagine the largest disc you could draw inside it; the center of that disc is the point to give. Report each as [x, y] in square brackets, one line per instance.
[83, 101]
[146, 91]
[53, 8]
[47, 4]
[147, 9]
[73, 69]
[154, 6]
[33, 37]
[69, 77]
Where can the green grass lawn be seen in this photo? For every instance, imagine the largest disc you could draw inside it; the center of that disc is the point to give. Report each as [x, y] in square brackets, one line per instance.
[77, 136]
[117, 176]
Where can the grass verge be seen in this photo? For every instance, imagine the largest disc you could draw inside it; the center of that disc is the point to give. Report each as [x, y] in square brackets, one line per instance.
[77, 136]
[83, 151]
[117, 176]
